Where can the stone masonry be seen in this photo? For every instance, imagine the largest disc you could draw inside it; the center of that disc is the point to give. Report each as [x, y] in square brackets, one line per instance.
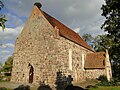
[38, 48]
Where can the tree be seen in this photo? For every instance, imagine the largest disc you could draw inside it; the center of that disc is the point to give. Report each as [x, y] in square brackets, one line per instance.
[2, 17]
[111, 11]
[8, 64]
[1, 67]
[102, 42]
[98, 43]
[0, 64]
[88, 38]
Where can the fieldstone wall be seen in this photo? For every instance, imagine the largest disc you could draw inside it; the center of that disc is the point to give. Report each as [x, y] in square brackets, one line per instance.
[37, 46]
[94, 73]
[64, 45]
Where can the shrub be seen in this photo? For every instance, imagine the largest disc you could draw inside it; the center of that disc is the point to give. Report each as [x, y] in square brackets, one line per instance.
[102, 78]
[104, 82]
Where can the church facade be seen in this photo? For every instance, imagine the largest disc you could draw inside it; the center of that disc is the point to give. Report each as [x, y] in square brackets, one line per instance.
[46, 46]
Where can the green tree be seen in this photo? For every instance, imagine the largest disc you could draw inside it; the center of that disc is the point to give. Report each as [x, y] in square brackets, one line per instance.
[8, 64]
[111, 11]
[88, 38]
[2, 17]
[102, 42]
[98, 43]
[1, 64]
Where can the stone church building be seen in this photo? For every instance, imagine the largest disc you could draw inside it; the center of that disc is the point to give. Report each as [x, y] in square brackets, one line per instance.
[46, 46]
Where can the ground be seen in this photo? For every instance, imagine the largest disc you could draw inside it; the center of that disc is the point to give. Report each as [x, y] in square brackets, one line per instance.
[11, 86]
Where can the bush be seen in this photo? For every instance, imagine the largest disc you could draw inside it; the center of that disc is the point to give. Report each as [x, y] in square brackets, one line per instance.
[104, 82]
[111, 83]
[102, 78]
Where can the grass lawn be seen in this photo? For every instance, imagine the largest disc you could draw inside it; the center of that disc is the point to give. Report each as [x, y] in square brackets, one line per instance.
[106, 88]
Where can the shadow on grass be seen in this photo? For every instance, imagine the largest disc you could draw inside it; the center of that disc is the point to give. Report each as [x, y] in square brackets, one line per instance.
[23, 87]
[3, 88]
[65, 82]
[44, 87]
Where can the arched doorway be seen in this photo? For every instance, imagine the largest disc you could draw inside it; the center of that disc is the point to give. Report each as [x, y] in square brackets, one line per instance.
[31, 74]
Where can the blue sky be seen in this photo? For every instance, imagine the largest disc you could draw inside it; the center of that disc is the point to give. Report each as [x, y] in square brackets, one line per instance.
[83, 16]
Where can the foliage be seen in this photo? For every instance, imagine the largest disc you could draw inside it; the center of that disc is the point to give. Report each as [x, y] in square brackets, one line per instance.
[2, 21]
[106, 88]
[8, 64]
[4, 78]
[115, 71]
[104, 82]
[2, 17]
[98, 43]
[88, 38]
[102, 78]
[1, 64]
[111, 11]
[102, 42]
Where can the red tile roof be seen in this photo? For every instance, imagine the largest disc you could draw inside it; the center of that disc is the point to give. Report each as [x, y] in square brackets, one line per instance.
[66, 32]
[95, 60]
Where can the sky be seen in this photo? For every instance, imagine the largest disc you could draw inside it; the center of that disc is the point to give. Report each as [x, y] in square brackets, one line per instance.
[82, 16]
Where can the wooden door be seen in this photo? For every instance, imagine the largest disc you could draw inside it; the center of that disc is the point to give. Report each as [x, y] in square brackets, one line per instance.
[31, 74]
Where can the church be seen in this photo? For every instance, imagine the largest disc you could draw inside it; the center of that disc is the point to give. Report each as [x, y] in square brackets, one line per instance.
[46, 46]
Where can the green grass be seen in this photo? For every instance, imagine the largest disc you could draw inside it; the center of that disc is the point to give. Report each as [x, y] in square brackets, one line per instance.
[106, 88]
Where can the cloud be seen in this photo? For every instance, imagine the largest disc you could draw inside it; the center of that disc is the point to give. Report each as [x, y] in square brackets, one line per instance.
[20, 7]
[4, 57]
[10, 45]
[9, 34]
[73, 13]
[7, 40]
[13, 20]
[77, 30]
[4, 54]
[83, 16]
